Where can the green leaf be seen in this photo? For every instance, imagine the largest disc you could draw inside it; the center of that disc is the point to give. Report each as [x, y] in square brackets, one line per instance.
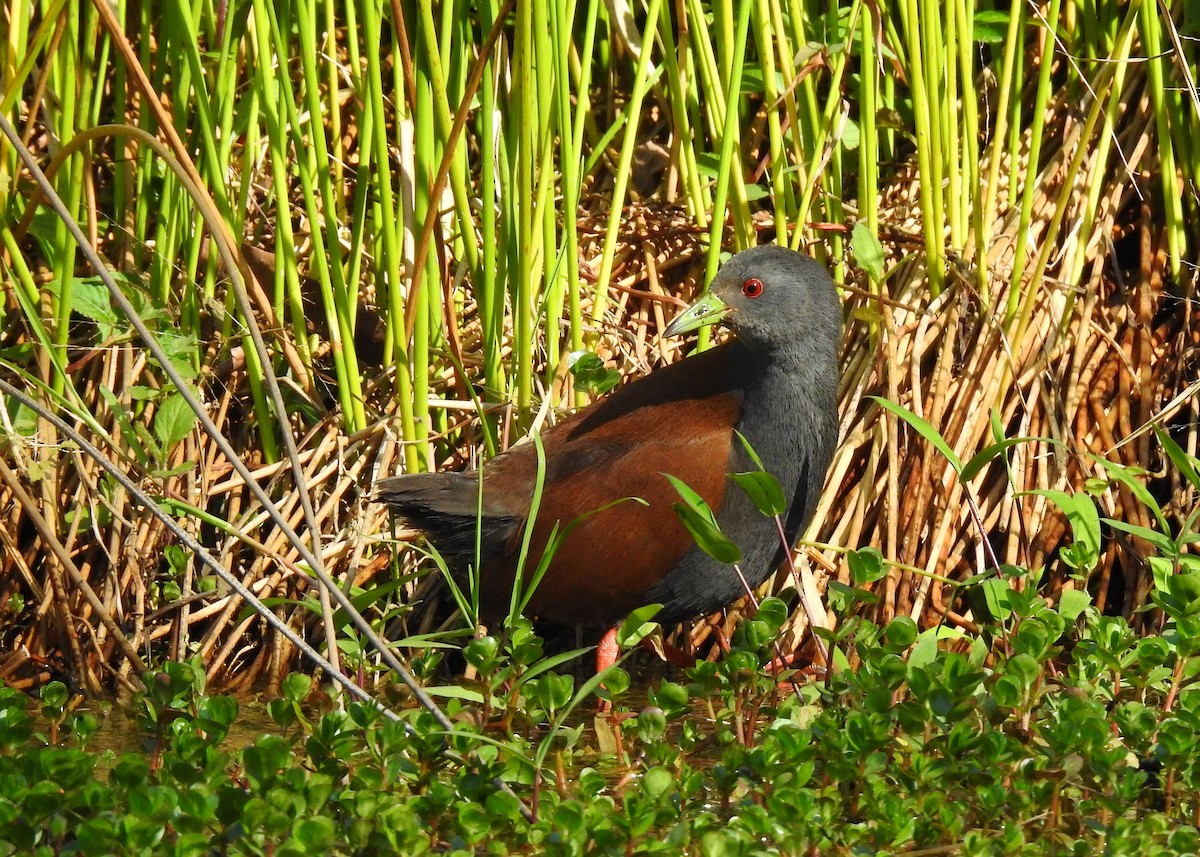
[985, 456]
[754, 456]
[91, 299]
[761, 487]
[868, 251]
[991, 27]
[756, 192]
[658, 781]
[591, 375]
[1024, 668]
[1072, 602]
[55, 694]
[995, 595]
[638, 625]
[924, 429]
[763, 490]
[1184, 462]
[866, 566]
[174, 420]
[1128, 476]
[901, 632]
[1162, 544]
[1081, 514]
[850, 136]
[925, 651]
[315, 834]
[121, 414]
[699, 520]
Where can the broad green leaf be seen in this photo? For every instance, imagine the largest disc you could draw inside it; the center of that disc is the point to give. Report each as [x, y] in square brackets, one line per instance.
[763, 490]
[1081, 514]
[1072, 602]
[995, 595]
[866, 566]
[991, 27]
[174, 420]
[850, 135]
[590, 373]
[868, 251]
[925, 650]
[90, 298]
[773, 612]
[638, 625]
[756, 192]
[707, 535]
[699, 520]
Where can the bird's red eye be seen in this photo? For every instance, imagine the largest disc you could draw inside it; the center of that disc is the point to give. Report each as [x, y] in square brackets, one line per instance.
[752, 288]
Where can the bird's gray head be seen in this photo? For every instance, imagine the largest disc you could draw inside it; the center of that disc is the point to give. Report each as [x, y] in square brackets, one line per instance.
[772, 297]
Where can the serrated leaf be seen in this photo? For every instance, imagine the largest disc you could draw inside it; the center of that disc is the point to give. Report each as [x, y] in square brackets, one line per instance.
[174, 420]
[178, 470]
[90, 298]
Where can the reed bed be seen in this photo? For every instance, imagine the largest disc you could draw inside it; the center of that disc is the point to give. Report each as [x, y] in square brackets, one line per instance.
[435, 204]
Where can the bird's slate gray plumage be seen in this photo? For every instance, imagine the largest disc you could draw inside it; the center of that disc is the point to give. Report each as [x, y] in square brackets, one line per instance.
[775, 382]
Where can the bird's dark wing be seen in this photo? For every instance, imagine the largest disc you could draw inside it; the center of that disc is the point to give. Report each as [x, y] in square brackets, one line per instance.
[679, 420]
[444, 506]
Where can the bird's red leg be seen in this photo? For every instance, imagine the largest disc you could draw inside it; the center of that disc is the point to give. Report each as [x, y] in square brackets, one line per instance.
[606, 652]
[606, 656]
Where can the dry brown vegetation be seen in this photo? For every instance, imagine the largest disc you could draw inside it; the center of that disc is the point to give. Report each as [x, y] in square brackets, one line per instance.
[1101, 340]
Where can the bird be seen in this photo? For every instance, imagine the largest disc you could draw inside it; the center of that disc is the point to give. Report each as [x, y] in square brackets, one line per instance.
[774, 381]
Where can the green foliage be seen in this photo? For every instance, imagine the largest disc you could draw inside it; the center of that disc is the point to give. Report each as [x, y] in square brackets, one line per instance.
[697, 516]
[1078, 737]
[591, 375]
[868, 251]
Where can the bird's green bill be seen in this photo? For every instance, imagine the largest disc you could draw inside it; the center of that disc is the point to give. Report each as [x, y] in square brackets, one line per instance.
[707, 310]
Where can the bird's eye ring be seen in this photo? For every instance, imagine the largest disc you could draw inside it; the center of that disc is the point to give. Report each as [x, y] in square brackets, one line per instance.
[752, 288]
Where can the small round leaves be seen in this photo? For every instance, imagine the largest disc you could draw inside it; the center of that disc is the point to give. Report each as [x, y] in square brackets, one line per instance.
[752, 287]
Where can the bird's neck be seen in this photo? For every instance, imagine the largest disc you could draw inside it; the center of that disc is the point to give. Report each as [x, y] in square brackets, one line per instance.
[790, 405]
[788, 374]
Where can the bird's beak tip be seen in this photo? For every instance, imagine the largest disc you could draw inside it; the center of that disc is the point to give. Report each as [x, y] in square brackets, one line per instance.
[708, 309]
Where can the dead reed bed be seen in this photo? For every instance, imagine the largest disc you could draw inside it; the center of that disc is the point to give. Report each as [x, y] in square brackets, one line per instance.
[1092, 343]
